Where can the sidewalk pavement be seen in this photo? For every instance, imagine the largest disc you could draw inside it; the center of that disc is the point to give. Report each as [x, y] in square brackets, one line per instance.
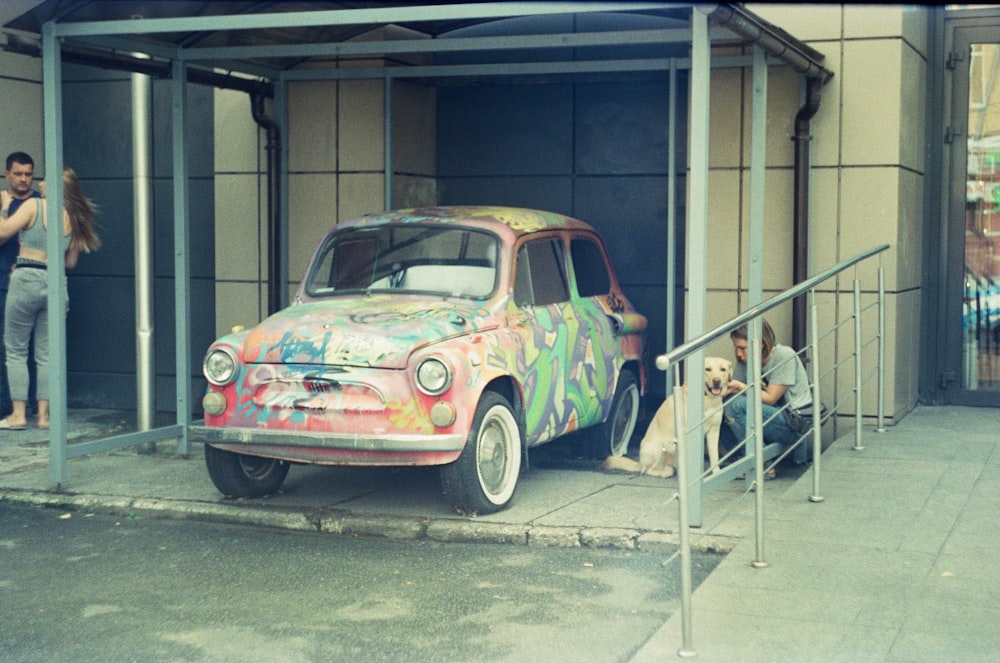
[898, 563]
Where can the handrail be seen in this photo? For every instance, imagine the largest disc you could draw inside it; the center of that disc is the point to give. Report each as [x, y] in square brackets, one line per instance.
[667, 359]
[691, 436]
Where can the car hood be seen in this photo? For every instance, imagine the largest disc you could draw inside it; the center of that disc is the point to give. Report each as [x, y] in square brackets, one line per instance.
[377, 330]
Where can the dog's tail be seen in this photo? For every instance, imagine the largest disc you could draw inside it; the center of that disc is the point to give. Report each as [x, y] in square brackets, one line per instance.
[622, 464]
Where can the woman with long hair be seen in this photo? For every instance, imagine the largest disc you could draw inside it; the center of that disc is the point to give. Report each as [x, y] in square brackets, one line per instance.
[27, 296]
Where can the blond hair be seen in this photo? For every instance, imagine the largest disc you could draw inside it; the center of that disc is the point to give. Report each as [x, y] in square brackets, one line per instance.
[767, 340]
[81, 212]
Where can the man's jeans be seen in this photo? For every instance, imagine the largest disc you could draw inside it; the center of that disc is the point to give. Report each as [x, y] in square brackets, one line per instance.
[776, 430]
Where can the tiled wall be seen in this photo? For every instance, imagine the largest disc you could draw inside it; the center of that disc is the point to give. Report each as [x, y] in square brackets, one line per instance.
[866, 185]
[336, 164]
[21, 106]
[240, 223]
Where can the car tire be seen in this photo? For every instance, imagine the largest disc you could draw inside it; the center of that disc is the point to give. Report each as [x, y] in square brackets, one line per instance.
[612, 437]
[484, 477]
[240, 475]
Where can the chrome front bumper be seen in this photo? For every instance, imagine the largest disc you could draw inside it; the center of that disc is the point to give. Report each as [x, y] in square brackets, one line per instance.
[332, 441]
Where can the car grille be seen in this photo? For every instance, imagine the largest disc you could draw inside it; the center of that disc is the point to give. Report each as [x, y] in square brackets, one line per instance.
[317, 394]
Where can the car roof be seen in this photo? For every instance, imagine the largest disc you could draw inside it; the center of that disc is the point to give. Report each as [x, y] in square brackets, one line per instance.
[518, 221]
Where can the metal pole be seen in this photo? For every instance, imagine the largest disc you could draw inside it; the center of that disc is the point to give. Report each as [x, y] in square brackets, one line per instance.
[683, 523]
[758, 163]
[142, 165]
[758, 167]
[53, 129]
[696, 247]
[857, 365]
[182, 263]
[755, 421]
[387, 139]
[880, 425]
[817, 423]
[697, 238]
[671, 215]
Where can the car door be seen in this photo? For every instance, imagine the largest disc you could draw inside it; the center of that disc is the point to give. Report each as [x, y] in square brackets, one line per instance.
[548, 331]
[596, 346]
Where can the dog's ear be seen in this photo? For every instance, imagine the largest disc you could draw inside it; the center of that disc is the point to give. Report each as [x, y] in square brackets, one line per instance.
[729, 369]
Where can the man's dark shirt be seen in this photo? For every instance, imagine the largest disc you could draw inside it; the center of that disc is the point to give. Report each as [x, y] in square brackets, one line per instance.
[9, 249]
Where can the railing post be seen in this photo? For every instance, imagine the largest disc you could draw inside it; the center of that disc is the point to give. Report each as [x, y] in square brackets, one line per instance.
[880, 424]
[817, 419]
[683, 525]
[857, 365]
[755, 423]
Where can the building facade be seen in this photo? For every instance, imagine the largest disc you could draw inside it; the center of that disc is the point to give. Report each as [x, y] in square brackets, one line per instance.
[890, 148]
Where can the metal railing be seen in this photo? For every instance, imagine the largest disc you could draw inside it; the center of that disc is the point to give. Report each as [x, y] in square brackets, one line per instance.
[691, 440]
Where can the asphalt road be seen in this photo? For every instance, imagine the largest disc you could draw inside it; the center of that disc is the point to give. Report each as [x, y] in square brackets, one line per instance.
[81, 587]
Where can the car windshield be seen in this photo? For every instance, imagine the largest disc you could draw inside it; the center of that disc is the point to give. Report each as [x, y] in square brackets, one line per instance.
[449, 261]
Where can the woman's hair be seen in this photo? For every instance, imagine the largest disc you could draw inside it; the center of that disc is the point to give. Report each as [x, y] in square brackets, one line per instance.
[81, 213]
[767, 341]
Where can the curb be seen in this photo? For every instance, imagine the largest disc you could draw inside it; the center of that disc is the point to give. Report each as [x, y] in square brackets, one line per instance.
[332, 521]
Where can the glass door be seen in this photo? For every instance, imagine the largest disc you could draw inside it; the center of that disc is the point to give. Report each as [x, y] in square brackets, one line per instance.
[975, 217]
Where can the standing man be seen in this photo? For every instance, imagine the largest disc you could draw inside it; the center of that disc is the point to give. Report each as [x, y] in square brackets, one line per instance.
[20, 173]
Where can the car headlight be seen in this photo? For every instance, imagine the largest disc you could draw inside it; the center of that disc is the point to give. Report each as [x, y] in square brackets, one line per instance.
[220, 366]
[433, 376]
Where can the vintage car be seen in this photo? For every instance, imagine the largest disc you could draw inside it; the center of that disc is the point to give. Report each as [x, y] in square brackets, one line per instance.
[451, 336]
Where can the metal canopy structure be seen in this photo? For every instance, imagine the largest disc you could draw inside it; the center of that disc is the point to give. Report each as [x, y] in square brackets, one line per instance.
[267, 39]
[260, 47]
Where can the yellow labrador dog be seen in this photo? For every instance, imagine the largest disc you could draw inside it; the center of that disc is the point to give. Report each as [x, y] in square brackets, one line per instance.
[656, 451]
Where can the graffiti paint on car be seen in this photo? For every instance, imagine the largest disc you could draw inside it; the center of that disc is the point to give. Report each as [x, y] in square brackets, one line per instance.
[403, 322]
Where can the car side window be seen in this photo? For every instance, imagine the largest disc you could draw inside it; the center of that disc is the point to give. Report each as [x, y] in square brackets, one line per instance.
[541, 274]
[592, 278]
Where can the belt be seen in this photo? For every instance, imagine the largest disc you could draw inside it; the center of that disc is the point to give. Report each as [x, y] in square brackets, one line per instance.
[30, 265]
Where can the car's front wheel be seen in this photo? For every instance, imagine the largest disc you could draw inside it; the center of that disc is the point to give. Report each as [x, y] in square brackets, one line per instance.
[613, 436]
[484, 477]
[239, 475]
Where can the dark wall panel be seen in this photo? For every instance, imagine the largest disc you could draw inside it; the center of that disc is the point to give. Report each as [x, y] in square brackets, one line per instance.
[116, 257]
[546, 193]
[100, 326]
[621, 128]
[97, 128]
[596, 151]
[505, 130]
[631, 215]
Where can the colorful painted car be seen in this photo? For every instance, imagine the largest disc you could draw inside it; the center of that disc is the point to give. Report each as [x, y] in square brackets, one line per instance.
[451, 336]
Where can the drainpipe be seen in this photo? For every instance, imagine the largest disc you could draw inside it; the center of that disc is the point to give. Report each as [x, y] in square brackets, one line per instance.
[142, 167]
[275, 262]
[800, 236]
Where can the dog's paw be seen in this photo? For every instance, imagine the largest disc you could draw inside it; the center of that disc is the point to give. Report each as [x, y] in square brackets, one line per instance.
[664, 473]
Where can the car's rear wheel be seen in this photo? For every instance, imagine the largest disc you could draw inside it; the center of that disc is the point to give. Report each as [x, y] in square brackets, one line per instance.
[613, 436]
[240, 475]
[484, 477]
